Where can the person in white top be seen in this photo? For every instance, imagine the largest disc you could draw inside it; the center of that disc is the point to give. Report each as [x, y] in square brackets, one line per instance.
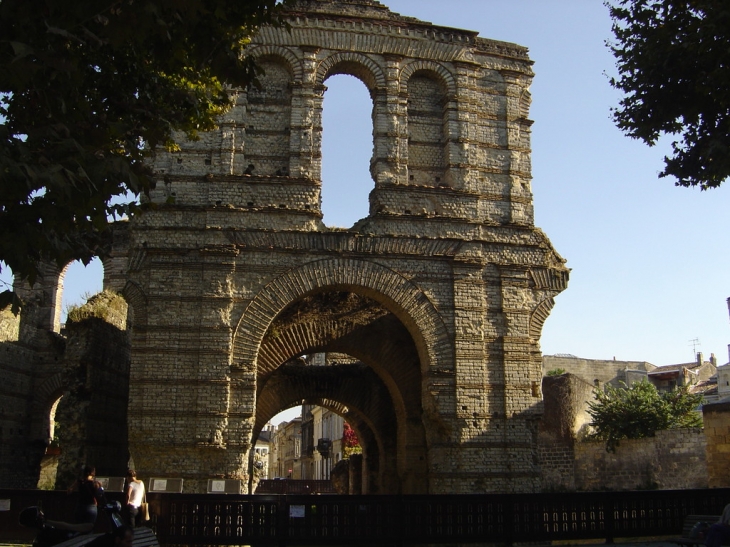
[135, 496]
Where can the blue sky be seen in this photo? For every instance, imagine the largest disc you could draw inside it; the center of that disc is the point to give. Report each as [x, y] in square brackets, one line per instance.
[649, 260]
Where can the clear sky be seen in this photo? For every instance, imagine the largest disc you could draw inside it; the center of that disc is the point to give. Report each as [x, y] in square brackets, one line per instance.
[649, 260]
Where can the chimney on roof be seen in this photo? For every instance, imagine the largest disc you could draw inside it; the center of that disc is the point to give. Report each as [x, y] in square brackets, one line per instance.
[713, 359]
[700, 359]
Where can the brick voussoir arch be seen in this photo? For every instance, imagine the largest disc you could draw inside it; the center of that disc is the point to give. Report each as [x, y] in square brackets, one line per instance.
[297, 338]
[372, 75]
[294, 63]
[398, 294]
[352, 402]
[433, 67]
[539, 316]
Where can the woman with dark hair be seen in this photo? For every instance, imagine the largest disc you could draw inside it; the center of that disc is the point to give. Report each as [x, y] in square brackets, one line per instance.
[135, 494]
[89, 495]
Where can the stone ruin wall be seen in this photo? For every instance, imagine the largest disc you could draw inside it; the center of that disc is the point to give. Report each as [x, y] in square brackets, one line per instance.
[673, 459]
[457, 277]
[449, 246]
[716, 419]
[81, 373]
[448, 249]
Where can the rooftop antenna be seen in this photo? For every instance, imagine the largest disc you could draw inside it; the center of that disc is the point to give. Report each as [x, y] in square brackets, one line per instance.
[694, 343]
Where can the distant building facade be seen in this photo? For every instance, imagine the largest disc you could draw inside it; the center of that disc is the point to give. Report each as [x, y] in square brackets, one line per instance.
[700, 375]
[286, 450]
[319, 445]
[262, 451]
[328, 428]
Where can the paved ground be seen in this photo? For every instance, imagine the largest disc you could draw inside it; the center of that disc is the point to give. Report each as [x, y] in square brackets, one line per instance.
[654, 542]
[619, 543]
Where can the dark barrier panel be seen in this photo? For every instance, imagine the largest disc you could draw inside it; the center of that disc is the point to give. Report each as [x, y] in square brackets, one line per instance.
[56, 505]
[288, 486]
[219, 519]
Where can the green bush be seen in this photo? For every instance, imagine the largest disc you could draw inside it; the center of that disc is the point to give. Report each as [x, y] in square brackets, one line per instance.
[640, 411]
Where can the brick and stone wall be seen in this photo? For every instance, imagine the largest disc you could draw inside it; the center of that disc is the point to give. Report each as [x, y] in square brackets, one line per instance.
[87, 368]
[564, 419]
[672, 460]
[591, 370]
[439, 294]
[717, 430]
[449, 281]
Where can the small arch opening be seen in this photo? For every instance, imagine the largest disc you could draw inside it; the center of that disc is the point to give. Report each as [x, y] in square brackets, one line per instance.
[305, 443]
[49, 462]
[78, 282]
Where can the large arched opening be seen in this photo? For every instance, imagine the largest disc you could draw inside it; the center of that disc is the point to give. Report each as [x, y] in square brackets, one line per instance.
[391, 334]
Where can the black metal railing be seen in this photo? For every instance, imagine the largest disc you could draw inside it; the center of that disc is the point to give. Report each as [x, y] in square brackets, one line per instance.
[288, 486]
[217, 519]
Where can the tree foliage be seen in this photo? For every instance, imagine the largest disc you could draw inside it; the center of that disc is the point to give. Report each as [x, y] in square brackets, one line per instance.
[639, 411]
[88, 89]
[674, 68]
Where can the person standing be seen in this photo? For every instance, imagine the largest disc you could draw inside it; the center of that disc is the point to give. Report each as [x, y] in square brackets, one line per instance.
[135, 493]
[89, 496]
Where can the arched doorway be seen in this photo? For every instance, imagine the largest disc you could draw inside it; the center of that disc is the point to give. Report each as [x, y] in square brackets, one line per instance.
[372, 317]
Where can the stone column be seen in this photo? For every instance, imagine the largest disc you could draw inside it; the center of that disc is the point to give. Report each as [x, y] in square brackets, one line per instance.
[460, 123]
[522, 381]
[518, 144]
[389, 128]
[42, 305]
[355, 474]
[305, 143]
[189, 417]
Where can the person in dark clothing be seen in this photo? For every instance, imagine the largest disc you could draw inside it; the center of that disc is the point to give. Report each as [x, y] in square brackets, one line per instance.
[719, 533]
[89, 496]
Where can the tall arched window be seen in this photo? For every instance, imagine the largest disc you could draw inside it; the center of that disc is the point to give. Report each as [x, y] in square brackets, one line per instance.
[427, 160]
[268, 120]
[347, 149]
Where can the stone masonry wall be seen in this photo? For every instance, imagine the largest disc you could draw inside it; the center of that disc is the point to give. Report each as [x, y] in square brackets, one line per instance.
[19, 460]
[673, 460]
[590, 370]
[87, 368]
[448, 253]
[717, 429]
[457, 277]
[565, 415]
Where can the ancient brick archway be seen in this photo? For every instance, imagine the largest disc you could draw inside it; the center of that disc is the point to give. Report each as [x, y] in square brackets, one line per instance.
[440, 292]
[369, 411]
[361, 309]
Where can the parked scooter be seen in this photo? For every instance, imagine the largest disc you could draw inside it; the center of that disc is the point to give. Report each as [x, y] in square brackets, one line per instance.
[54, 532]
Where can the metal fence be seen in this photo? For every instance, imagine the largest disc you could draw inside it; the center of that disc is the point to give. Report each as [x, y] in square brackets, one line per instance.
[287, 486]
[215, 519]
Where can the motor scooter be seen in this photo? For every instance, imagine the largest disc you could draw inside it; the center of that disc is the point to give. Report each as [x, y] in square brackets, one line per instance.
[52, 533]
